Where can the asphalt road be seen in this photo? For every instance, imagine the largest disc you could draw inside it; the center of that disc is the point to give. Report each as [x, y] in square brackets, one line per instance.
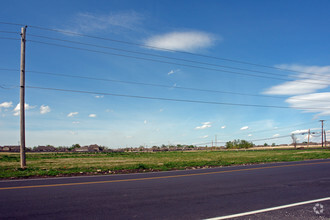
[189, 194]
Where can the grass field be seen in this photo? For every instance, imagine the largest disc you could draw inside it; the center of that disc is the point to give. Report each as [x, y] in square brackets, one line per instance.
[62, 164]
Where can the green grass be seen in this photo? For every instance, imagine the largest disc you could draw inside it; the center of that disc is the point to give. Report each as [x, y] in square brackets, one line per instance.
[61, 164]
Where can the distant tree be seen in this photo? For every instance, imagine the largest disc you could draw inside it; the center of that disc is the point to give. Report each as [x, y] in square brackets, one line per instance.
[74, 146]
[273, 144]
[294, 140]
[239, 144]
[265, 144]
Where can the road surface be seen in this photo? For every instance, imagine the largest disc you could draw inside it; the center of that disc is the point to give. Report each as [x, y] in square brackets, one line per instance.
[189, 194]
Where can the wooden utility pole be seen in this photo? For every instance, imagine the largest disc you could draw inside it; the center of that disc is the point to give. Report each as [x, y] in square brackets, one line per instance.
[215, 140]
[322, 131]
[22, 98]
[325, 139]
[309, 133]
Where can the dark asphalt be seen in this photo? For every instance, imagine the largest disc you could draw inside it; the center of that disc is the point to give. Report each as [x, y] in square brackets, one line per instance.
[180, 196]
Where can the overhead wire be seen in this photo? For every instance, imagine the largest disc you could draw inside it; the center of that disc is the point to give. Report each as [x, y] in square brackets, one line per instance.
[154, 47]
[9, 38]
[166, 49]
[160, 85]
[255, 140]
[174, 63]
[162, 56]
[9, 32]
[171, 99]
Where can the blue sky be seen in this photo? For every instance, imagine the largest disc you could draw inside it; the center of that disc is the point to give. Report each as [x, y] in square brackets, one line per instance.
[292, 36]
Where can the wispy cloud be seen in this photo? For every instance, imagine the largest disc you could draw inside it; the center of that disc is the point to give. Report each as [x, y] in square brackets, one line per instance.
[92, 115]
[173, 71]
[18, 108]
[299, 131]
[72, 114]
[276, 135]
[6, 105]
[223, 127]
[44, 109]
[244, 128]
[205, 136]
[250, 135]
[204, 126]
[184, 41]
[309, 80]
[115, 21]
[99, 96]
[315, 102]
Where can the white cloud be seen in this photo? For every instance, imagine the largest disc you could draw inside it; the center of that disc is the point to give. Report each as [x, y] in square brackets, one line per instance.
[184, 41]
[6, 105]
[244, 128]
[99, 96]
[205, 136]
[310, 80]
[173, 71]
[18, 108]
[44, 109]
[276, 135]
[299, 131]
[314, 78]
[72, 114]
[295, 87]
[315, 103]
[75, 122]
[145, 122]
[114, 22]
[250, 135]
[223, 127]
[92, 115]
[204, 126]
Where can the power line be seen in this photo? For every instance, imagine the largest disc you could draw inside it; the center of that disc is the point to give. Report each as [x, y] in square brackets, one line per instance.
[161, 56]
[153, 47]
[268, 130]
[255, 140]
[9, 38]
[10, 32]
[159, 85]
[170, 50]
[170, 87]
[170, 99]
[154, 60]
[4, 87]
[168, 62]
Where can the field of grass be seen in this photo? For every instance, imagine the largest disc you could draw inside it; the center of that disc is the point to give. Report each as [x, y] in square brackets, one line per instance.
[62, 164]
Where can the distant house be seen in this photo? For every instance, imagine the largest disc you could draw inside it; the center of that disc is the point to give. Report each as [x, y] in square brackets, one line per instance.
[11, 148]
[47, 148]
[94, 148]
[81, 149]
